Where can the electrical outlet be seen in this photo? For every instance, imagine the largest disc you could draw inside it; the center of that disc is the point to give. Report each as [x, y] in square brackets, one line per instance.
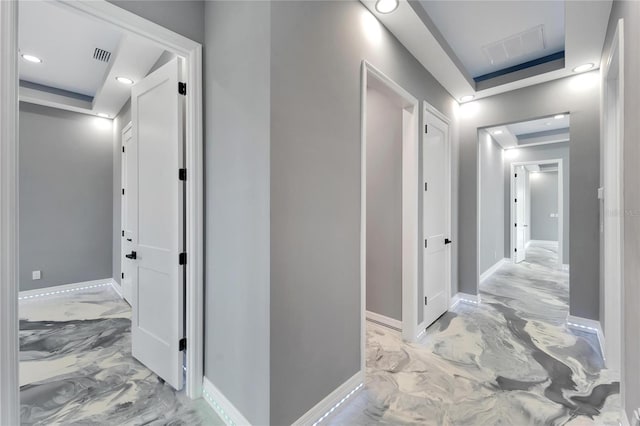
[36, 275]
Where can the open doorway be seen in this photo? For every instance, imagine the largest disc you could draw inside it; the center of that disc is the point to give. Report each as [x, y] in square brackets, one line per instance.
[75, 329]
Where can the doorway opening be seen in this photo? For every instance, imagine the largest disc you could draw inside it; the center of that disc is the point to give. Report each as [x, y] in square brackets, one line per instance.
[128, 67]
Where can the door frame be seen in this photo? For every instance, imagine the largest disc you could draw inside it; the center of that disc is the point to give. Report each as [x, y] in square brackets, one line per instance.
[512, 204]
[612, 136]
[427, 108]
[191, 51]
[410, 188]
[123, 206]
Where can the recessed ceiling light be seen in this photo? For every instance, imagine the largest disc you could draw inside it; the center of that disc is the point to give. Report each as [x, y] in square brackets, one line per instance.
[582, 68]
[466, 98]
[497, 132]
[32, 58]
[559, 116]
[386, 6]
[124, 80]
[103, 115]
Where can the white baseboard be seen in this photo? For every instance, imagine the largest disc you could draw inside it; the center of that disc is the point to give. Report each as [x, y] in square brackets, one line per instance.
[383, 320]
[117, 288]
[492, 270]
[60, 289]
[421, 330]
[221, 405]
[464, 298]
[322, 409]
[588, 325]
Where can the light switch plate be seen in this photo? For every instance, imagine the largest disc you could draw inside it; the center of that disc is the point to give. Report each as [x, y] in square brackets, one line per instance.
[36, 275]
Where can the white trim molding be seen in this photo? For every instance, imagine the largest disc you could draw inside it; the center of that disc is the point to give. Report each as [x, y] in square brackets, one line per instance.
[492, 270]
[64, 288]
[590, 326]
[117, 288]
[473, 299]
[384, 320]
[221, 405]
[332, 401]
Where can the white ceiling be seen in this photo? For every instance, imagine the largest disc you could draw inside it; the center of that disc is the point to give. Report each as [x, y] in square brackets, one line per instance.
[541, 131]
[585, 29]
[65, 40]
[468, 26]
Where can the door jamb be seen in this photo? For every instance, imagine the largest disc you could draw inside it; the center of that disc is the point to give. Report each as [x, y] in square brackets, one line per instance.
[410, 185]
[125, 129]
[512, 238]
[191, 51]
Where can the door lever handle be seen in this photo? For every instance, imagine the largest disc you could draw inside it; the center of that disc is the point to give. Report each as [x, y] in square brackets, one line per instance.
[447, 241]
[132, 255]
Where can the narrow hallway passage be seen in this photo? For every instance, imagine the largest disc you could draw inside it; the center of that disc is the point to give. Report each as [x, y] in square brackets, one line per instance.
[509, 360]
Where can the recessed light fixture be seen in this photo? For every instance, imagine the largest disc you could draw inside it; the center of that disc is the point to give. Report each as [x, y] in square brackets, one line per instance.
[124, 80]
[466, 98]
[31, 58]
[386, 6]
[559, 116]
[583, 68]
[103, 115]
[497, 132]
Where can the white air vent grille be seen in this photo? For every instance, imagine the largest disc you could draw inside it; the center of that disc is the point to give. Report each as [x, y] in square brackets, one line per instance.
[522, 44]
[101, 55]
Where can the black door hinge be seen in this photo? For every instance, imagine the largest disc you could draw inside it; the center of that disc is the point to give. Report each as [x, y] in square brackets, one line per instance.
[123, 232]
[182, 344]
[425, 301]
[515, 225]
[516, 175]
[182, 259]
[425, 186]
[425, 243]
[516, 250]
[123, 149]
[516, 200]
[182, 88]
[122, 191]
[182, 174]
[426, 128]
[122, 275]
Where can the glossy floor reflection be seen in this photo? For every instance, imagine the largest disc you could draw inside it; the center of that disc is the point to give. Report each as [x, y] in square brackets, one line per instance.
[76, 367]
[511, 360]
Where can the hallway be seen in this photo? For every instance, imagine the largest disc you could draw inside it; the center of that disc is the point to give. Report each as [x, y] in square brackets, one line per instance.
[510, 360]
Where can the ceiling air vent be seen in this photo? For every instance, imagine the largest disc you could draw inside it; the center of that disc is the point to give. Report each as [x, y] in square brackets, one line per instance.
[101, 55]
[525, 43]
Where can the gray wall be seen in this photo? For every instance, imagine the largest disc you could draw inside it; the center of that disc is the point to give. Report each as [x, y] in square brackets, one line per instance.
[492, 193]
[630, 12]
[119, 122]
[317, 49]
[384, 205]
[544, 201]
[65, 196]
[580, 96]
[237, 169]
[550, 152]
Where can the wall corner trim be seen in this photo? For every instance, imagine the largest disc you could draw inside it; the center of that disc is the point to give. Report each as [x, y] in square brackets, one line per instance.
[384, 320]
[493, 269]
[229, 414]
[473, 299]
[332, 401]
[588, 325]
[117, 288]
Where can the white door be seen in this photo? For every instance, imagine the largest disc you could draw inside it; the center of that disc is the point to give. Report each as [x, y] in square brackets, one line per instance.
[436, 252]
[129, 189]
[519, 201]
[157, 323]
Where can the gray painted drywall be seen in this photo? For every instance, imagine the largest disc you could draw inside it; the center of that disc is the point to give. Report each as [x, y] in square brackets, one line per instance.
[65, 196]
[119, 123]
[544, 202]
[237, 169]
[492, 199]
[539, 153]
[576, 94]
[384, 205]
[316, 51]
[630, 12]
[185, 17]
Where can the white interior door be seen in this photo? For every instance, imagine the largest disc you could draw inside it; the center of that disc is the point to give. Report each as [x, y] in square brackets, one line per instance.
[520, 213]
[129, 189]
[436, 253]
[157, 323]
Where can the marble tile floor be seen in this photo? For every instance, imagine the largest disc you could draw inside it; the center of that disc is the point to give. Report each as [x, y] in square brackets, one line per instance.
[76, 367]
[511, 360]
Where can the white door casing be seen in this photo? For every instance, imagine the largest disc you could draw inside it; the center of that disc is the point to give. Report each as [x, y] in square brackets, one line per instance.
[519, 199]
[129, 187]
[435, 222]
[157, 323]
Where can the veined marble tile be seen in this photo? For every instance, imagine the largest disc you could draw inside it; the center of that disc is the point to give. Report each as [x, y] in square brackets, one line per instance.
[510, 360]
[76, 367]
